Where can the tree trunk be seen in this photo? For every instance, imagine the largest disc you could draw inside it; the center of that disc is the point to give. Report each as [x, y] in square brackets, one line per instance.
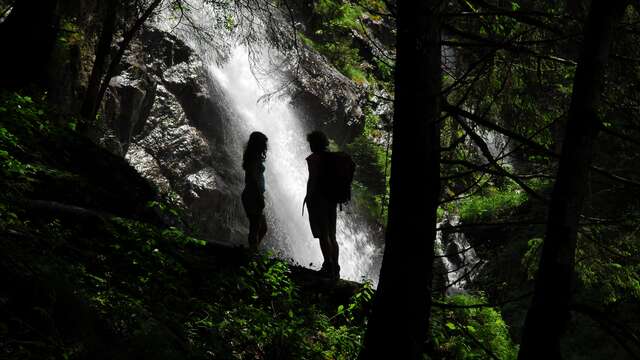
[102, 53]
[399, 322]
[549, 311]
[28, 37]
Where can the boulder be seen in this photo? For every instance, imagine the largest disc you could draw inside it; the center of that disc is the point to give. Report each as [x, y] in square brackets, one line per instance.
[127, 104]
[326, 99]
[175, 137]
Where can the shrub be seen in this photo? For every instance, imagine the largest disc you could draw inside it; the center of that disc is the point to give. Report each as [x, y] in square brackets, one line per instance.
[469, 332]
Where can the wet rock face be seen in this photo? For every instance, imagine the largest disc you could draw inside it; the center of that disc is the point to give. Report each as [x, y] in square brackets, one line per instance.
[127, 107]
[326, 99]
[163, 50]
[158, 113]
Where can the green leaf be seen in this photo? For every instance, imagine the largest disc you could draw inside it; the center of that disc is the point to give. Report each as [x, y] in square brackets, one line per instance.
[471, 328]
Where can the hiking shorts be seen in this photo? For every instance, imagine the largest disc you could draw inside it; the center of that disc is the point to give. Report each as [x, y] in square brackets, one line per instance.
[322, 217]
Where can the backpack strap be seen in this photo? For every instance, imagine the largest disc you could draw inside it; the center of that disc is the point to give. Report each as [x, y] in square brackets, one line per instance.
[303, 203]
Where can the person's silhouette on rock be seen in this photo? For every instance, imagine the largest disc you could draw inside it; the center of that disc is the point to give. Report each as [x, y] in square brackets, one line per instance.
[322, 210]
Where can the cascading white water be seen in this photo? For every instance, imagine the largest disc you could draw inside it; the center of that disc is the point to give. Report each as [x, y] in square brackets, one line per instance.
[459, 258]
[289, 233]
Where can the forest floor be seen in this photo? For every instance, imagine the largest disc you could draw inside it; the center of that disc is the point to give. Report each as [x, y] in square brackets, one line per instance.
[131, 294]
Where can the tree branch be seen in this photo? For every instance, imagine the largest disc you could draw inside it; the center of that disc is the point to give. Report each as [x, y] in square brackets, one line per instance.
[500, 170]
[126, 39]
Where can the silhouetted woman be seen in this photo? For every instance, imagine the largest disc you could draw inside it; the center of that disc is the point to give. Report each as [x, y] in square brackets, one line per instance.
[253, 194]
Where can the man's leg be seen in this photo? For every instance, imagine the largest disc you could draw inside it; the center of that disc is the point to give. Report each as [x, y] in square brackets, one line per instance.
[262, 228]
[332, 243]
[254, 225]
[319, 229]
[326, 251]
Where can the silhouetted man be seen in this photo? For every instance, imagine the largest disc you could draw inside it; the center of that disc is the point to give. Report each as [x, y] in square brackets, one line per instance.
[322, 210]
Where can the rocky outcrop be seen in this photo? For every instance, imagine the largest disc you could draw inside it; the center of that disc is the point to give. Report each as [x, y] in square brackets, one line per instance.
[127, 108]
[158, 113]
[326, 98]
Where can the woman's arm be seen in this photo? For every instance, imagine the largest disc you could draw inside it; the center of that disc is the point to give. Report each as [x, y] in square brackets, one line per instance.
[251, 175]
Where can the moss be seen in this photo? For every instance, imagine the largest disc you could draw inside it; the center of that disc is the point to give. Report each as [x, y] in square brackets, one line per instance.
[491, 203]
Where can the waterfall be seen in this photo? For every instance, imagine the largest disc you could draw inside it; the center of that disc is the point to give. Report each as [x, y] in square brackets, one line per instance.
[286, 172]
[289, 234]
[460, 261]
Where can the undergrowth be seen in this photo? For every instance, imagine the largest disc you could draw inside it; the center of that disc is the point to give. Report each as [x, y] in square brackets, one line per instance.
[81, 281]
[88, 270]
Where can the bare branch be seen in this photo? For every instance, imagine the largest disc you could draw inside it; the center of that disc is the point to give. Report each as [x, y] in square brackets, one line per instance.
[487, 154]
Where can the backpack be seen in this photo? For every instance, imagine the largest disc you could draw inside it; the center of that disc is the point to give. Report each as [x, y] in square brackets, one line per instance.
[339, 170]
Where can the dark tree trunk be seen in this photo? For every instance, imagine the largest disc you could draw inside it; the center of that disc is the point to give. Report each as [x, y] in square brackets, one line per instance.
[399, 322]
[549, 312]
[28, 37]
[102, 53]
